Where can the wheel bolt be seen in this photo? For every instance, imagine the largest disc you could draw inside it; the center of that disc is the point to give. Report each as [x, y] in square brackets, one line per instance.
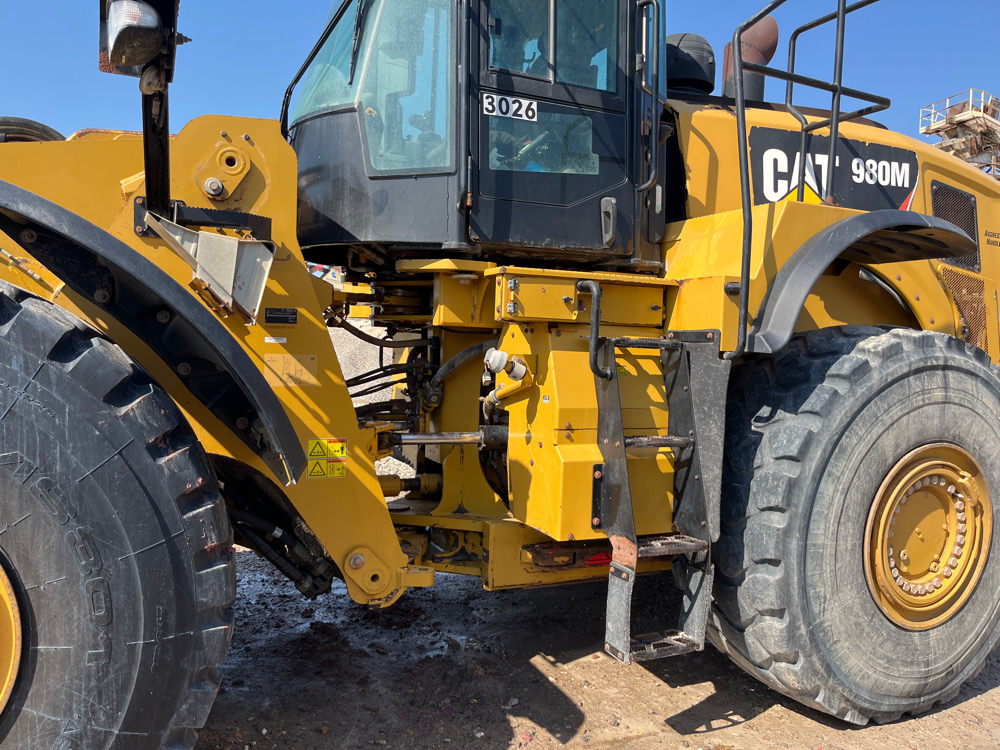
[959, 505]
[946, 572]
[937, 583]
[951, 489]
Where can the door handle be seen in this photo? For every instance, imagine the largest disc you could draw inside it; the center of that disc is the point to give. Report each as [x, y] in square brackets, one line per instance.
[653, 63]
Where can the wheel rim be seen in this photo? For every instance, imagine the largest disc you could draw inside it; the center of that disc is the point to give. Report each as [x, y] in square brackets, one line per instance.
[928, 536]
[10, 638]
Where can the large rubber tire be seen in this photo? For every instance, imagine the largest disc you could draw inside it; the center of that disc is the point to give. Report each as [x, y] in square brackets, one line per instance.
[115, 541]
[811, 435]
[21, 130]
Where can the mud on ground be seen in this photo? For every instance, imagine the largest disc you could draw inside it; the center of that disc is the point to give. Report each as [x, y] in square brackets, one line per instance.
[454, 666]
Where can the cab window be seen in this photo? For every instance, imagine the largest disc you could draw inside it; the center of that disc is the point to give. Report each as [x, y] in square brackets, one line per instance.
[586, 41]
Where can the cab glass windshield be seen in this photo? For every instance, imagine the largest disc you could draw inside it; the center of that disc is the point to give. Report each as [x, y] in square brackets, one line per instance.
[403, 58]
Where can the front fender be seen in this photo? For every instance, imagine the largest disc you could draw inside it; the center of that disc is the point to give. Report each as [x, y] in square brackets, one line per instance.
[133, 290]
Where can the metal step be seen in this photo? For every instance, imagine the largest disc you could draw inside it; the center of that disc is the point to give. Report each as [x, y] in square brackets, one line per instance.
[658, 645]
[669, 545]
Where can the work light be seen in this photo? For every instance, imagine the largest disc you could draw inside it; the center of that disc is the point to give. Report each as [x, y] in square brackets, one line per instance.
[134, 33]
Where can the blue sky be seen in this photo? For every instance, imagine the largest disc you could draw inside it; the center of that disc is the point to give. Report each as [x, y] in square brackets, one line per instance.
[245, 51]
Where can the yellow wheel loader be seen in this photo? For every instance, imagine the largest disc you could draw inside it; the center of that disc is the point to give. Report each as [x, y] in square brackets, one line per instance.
[626, 326]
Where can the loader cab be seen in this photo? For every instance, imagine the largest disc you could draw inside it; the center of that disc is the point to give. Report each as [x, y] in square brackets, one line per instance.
[492, 128]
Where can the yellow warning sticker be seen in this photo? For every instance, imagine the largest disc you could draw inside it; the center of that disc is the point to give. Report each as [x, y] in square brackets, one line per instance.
[327, 468]
[326, 448]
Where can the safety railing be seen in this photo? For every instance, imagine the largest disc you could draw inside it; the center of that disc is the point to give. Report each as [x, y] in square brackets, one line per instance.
[941, 114]
[837, 92]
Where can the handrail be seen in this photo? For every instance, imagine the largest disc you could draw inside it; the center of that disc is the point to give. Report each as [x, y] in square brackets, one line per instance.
[837, 90]
[654, 63]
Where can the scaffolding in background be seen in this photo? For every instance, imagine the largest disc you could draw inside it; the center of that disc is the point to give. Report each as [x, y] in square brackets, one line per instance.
[969, 127]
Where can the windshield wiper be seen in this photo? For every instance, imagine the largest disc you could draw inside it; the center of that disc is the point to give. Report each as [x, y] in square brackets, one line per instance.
[359, 22]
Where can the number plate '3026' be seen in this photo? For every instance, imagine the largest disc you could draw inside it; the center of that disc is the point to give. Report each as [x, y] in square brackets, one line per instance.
[510, 106]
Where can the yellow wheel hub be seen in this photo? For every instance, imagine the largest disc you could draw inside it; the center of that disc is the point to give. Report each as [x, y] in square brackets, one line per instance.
[928, 536]
[10, 639]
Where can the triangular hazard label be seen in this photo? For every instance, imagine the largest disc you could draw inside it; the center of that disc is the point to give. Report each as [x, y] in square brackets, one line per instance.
[318, 449]
[316, 469]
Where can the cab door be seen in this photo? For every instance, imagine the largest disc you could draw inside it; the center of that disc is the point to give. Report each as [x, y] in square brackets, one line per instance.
[552, 139]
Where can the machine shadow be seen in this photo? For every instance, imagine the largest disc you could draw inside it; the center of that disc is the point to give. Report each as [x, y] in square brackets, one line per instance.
[453, 665]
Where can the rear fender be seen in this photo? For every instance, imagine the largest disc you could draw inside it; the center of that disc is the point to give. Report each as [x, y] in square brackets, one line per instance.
[873, 238]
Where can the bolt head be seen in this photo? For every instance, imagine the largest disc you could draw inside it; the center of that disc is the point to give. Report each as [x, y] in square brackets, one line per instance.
[184, 369]
[595, 521]
[102, 296]
[598, 475]
[357, 561]
[213, 186]
[163, 316]
[242, 423]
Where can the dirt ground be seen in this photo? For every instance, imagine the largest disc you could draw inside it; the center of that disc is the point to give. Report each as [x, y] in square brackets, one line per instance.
[456, 667]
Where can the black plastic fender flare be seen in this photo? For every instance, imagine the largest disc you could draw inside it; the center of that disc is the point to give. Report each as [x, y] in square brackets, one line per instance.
[217, 371]
[888, 236]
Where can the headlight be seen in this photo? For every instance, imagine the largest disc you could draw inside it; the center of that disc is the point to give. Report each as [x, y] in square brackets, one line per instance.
[134, 32]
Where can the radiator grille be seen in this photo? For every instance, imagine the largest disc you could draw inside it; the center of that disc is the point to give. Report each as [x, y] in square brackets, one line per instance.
[958, 207]
[968, 292]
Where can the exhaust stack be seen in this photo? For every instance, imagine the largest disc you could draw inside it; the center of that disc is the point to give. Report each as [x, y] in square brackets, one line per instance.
[759, 44]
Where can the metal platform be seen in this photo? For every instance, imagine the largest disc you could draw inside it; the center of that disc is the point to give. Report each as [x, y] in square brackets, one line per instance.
[969, 127]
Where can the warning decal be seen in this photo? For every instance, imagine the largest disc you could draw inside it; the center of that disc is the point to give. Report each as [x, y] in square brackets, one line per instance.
[327, 458]
[327, 468]
[327, 448]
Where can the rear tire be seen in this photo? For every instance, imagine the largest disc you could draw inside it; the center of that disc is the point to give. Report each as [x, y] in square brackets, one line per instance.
[814, 436]
[21, 130]
[114, 540]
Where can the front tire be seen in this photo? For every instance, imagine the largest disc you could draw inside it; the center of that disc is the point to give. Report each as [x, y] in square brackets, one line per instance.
[842, 440]
[114, 545]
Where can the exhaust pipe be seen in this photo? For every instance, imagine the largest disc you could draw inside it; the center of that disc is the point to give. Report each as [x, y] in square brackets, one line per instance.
[759, 44]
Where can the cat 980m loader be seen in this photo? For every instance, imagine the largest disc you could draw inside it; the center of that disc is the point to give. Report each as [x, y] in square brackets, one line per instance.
[628, 327]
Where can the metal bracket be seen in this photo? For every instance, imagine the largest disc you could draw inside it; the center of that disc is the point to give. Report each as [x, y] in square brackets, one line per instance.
[229, 273]
[195, 216]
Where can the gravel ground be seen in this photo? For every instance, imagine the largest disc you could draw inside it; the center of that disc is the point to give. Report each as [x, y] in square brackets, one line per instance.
[456, 667]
